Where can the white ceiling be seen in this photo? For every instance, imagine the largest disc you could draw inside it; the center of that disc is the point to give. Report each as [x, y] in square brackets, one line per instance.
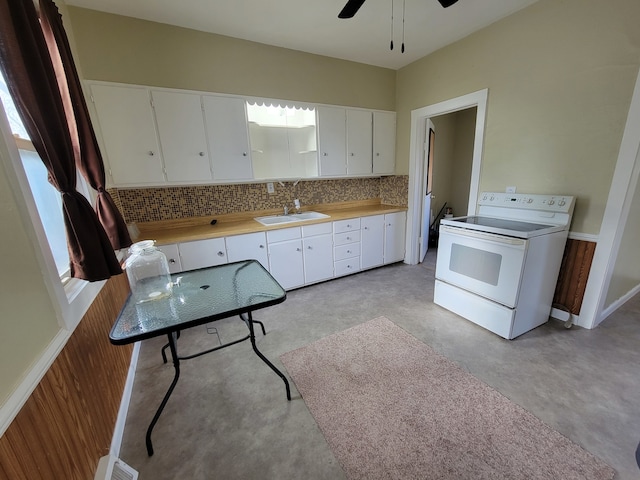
[313, 25]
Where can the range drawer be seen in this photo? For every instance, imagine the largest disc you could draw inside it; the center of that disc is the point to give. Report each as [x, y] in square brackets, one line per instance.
[346, 237]
[346, 251]
[347, 266]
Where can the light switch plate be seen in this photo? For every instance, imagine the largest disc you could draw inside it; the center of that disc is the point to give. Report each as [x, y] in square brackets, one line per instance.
[511, 189]
[270, 188]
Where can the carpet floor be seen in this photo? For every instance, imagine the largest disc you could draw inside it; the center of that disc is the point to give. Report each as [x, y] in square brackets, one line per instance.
[391, 407]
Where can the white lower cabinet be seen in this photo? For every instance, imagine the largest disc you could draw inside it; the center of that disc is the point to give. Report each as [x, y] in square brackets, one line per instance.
[285, 257]
[248, 246]
[317, 243]
[299, 256]
[346, 246]
[394, 237]
[173, 256]
[372, 241]
[202, 253]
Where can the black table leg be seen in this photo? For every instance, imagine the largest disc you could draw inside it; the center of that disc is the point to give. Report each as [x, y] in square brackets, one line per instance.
[264, 359]
[176, 366]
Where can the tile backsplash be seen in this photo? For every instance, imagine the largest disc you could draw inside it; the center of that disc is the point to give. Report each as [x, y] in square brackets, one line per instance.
[171, 203]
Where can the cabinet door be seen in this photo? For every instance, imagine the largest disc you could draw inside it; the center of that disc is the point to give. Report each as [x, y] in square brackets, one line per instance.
[226, 124]
[372, 241]
[359, 142]
[202, 253]
[332, 141]
[394, 236]
[286, 264]
[318, 258]
[182, 136]
[384, 143]
[248, 246]
[129, 134]
[173, 256]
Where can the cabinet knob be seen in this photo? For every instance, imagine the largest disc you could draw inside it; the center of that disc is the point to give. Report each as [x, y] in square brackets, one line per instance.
[366, 228]
[244, 154]
[348, 251]
[171, 260]
[261, 246]
[151, 153]
[309, 248]
[353, 154]
[221, 254]
[377, 154]
[348, 238]
[325, 154]
[298, 249]
[201, 154]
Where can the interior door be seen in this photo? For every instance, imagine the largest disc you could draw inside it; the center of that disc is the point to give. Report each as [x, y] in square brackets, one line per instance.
[430, 136]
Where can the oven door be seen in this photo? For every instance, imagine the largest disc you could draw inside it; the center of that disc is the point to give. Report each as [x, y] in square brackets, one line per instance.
[486, 264]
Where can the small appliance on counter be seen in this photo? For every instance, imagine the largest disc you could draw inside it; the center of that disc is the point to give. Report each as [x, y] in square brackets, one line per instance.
[499, 268]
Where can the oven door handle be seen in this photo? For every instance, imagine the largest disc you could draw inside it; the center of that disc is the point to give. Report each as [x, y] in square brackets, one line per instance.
[492, 237]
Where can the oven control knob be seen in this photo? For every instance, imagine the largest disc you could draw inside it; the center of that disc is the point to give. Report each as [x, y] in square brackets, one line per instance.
[491, 198]
[551, 202]
[530, 200]
[562, 203]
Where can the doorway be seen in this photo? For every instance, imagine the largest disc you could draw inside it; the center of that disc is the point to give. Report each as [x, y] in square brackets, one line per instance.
[420, 119]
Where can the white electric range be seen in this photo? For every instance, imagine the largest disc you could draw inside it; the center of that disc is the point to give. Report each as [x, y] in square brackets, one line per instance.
[499, 268]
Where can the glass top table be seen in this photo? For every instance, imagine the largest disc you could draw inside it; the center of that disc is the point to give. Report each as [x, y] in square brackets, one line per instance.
[198, 297]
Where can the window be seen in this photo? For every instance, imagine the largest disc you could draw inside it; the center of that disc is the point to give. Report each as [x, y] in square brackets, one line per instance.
[46, 198]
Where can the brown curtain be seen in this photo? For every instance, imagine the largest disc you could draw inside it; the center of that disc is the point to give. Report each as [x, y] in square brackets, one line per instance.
[90, 160]
[31, 77]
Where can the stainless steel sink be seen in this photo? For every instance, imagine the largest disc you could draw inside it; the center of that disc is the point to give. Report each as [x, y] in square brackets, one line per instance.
[291, 218]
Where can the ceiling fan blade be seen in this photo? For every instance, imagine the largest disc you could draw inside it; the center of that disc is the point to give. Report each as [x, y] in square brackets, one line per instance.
[447, 3]
[351, 8]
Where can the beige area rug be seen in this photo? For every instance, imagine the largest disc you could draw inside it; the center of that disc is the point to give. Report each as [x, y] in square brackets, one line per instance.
[390, 407]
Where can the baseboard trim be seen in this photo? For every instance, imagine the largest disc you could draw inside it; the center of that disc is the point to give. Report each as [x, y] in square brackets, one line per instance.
[118, 431]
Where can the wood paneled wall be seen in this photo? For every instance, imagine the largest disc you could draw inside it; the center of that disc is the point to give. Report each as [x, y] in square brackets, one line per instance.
[574, 272]
[67, 424]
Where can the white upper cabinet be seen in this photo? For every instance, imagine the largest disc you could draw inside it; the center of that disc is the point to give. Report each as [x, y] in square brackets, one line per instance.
[182, 136]
[129, 136]
[226, 125]
[359, 142]
[160, 136]
[384, 143]
[332, 141]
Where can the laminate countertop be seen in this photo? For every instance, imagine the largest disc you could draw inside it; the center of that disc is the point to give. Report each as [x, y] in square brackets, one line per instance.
[199, 228]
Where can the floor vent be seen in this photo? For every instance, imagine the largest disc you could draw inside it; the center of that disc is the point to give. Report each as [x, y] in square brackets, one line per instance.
[112, 468]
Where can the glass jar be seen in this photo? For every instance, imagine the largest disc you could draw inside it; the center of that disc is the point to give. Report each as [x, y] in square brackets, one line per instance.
[148, 272]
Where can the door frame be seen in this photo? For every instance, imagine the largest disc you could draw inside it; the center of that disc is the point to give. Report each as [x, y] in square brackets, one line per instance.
[417, 176]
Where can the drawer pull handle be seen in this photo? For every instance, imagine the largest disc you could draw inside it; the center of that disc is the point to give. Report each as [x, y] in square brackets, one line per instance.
[261, 246]
[221, 254]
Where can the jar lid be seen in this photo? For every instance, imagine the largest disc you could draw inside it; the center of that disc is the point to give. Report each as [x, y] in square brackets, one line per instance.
[141, 246]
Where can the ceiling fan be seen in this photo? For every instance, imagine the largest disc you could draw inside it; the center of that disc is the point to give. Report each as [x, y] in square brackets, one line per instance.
[352, 7]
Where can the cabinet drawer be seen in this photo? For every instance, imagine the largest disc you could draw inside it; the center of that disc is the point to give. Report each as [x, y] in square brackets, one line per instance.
[283, 234]
[347, 266]
[346, 251]
[317, 229]
[173, 257]
[346, 237]
[202, 253]
[346, 225]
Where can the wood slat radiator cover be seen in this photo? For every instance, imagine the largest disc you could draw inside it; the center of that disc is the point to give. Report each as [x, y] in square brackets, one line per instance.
[574, 272]
[67, 424]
